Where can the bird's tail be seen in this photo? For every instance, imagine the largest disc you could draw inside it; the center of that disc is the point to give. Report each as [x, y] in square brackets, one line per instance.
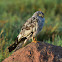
[13, 46]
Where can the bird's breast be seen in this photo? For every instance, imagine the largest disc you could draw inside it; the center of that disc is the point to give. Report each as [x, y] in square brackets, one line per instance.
[40, 25]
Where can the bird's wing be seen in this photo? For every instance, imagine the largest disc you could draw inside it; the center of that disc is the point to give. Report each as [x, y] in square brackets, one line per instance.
[28, 28]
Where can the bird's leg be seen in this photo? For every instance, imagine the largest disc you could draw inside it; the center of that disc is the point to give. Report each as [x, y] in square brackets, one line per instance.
[34, 39]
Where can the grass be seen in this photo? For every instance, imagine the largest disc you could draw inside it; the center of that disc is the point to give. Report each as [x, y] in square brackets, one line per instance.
[57, 42]
[14, 13]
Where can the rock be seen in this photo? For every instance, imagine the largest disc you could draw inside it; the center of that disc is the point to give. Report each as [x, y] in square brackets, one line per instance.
[36, 52]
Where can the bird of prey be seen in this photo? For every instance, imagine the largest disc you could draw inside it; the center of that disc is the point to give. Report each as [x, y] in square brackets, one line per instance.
[29, 30]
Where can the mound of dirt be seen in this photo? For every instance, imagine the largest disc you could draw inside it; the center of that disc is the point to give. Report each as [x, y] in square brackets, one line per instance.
[37, 52]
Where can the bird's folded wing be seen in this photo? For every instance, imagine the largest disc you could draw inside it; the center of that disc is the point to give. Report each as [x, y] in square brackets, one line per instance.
[28, 28]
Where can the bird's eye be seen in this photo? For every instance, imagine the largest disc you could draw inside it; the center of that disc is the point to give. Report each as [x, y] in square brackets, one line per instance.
[41, 15]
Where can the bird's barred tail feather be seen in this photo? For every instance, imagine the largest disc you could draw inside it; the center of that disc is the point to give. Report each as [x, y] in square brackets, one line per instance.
[13, 46]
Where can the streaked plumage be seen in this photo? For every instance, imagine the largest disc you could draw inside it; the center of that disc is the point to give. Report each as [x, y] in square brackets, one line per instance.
[31, 28]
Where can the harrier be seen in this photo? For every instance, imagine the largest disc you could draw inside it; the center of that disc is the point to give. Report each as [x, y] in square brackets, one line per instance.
[29, 30]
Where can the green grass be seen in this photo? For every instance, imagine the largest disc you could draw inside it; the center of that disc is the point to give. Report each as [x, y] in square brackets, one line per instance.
[57, 42]
[14, 13]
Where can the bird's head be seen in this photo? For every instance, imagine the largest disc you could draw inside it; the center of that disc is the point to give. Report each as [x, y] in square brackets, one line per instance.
[39, 14]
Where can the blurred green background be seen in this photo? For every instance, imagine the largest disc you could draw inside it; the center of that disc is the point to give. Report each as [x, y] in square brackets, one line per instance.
[14, 13]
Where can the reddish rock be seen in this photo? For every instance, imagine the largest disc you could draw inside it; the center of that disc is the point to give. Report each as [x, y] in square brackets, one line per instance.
[36, 52]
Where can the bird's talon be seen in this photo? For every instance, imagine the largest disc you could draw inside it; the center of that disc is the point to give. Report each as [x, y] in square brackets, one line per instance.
[35, 41]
